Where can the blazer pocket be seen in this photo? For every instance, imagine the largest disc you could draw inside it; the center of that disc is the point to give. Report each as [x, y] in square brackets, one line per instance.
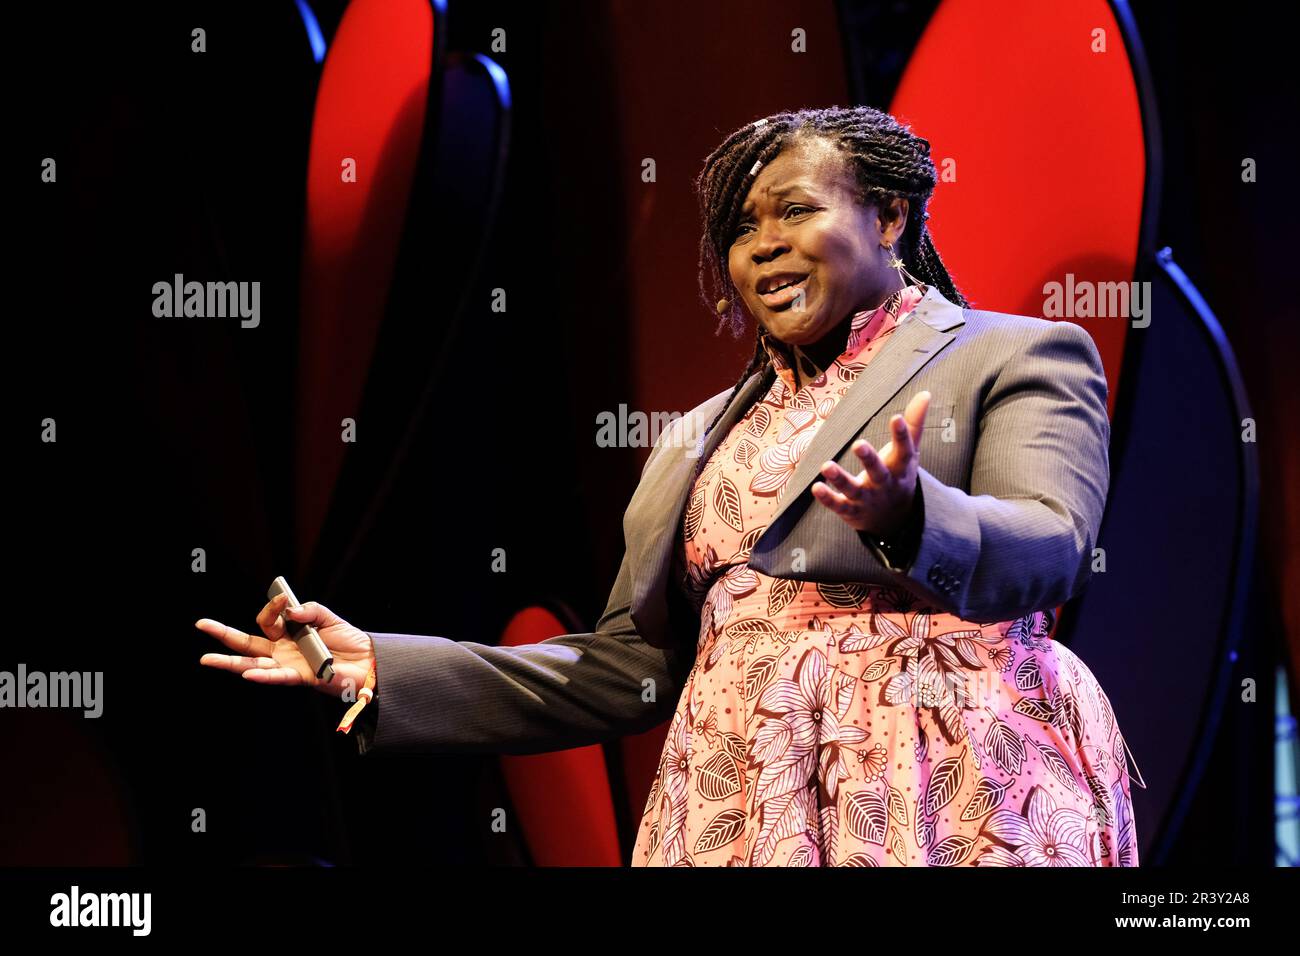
[937, 415]
[934, 418]
[937, 418]
[879, 435]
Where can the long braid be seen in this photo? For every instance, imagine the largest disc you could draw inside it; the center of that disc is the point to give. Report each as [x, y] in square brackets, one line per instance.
[889, 161]
[929, 268]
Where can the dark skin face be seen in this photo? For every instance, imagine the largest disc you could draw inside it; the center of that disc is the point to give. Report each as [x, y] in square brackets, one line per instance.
[802, 216]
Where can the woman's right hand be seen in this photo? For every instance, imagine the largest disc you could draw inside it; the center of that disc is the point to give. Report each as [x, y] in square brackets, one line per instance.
[275, 658]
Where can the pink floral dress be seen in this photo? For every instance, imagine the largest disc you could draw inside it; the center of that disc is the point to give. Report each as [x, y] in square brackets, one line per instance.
[844, 724]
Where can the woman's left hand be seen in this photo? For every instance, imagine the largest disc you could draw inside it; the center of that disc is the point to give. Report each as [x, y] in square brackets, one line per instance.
[879, 499]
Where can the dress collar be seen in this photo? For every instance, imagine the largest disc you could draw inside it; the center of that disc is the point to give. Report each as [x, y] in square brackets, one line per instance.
[865, 327]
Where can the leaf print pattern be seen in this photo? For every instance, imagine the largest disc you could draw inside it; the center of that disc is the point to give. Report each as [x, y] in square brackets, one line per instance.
[721, 831]
[781, 593]
[694, 513]
[944, 784]
[843, 594]
[988, 797]
[726, 503]
[1004, 745]
[866, 815]
[719, 778]
[746, 452]
[837, 723]
[951, 850]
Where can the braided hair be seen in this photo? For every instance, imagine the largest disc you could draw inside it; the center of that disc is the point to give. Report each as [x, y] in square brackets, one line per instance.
[888, 161]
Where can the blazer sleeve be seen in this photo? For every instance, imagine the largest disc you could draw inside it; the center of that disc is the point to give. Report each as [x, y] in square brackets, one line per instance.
[437, 695]
[1021, 540]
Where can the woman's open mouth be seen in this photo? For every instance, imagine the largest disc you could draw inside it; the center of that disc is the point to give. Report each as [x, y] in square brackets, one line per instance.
[784, 294]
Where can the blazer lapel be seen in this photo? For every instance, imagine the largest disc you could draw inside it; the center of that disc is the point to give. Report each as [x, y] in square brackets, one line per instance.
[663, 493]
[662, 498]
[924, 332]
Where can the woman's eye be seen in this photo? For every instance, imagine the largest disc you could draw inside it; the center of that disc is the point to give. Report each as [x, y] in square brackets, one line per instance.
[745, 226]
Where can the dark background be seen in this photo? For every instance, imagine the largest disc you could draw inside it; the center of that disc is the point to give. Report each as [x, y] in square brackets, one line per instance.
[173, 435]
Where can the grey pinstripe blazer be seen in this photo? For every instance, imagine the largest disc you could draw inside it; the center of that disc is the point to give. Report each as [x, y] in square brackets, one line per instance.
[1013, 481]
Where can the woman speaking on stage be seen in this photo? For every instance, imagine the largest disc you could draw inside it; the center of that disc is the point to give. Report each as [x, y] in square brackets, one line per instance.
[840, 573]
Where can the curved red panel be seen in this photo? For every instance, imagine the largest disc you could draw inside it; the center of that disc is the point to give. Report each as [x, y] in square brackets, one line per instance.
[563, 798]
[1045, 180]
[370, 110]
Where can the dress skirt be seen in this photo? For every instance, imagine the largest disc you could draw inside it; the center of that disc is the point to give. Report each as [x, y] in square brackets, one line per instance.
[897, 738]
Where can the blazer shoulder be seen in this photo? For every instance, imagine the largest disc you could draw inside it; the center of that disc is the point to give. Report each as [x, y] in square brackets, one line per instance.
[1016, 331]
[1015, 322]
[989, 322]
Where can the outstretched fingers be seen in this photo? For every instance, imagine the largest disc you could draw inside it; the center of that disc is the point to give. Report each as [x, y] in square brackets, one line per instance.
[915, 414]
[873, 465]
[235, 639]
[260, 670]
[270, 672]
[905, 438]
[833, 499]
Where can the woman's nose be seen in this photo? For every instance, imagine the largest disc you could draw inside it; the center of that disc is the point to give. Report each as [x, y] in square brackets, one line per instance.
[769, 241]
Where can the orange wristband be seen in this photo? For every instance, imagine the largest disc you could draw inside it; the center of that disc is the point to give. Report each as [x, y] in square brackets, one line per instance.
[364, 696]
